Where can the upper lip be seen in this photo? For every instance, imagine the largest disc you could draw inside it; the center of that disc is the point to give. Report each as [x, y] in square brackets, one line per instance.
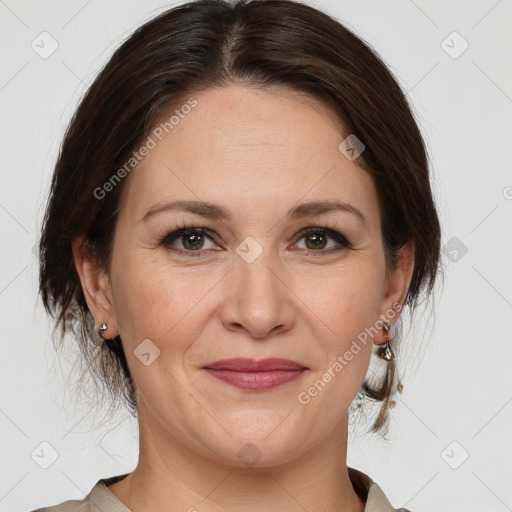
[243, 364]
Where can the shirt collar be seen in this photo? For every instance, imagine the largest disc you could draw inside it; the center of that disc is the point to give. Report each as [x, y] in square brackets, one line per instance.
[369, 491]
[366, 488]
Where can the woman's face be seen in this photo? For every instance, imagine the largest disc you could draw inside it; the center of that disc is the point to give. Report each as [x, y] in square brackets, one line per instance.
[252, 285]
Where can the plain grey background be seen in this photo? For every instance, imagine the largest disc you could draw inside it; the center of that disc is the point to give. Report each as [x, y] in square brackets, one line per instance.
[449, 445]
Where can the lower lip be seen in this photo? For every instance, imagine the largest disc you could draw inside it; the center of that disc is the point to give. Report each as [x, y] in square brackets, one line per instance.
[256, 381]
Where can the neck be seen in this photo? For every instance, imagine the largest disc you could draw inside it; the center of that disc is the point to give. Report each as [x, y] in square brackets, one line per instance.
[169, 472]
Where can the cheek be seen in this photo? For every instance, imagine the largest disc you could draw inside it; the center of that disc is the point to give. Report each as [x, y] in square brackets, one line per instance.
[157, 300]
[346, 301]
[347, 307]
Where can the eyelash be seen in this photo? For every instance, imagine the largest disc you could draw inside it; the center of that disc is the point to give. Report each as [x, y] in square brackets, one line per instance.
[166, 238]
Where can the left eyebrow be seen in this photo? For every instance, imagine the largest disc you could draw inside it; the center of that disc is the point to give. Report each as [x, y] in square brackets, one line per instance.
[214, 211]
[320, 207]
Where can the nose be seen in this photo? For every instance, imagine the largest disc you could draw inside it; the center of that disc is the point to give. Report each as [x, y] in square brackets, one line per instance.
[258, 301]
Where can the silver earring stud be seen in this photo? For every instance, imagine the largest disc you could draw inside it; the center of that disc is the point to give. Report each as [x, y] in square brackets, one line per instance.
[102, 329]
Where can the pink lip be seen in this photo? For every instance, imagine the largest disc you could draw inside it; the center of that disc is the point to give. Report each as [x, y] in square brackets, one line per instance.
[254, 375]
[244, 364]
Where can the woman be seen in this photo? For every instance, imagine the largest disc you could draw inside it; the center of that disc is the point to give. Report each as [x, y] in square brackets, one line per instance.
[241, 209]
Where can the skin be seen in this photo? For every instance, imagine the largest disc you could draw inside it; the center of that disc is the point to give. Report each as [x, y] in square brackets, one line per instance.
[257, 153]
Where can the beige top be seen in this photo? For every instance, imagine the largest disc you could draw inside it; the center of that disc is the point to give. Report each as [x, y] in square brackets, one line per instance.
[100, 499]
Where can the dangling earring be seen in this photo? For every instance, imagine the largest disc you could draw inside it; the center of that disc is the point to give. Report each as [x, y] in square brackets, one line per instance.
[385, 352]
[102, 329]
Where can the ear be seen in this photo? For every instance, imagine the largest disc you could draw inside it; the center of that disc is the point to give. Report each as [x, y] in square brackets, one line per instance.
[397, 284]
[96, 287]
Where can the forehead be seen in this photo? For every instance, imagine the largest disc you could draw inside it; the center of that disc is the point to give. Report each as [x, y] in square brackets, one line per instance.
[247, 146]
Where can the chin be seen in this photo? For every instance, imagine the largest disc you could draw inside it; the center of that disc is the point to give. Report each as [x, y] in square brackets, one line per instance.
[257, 450]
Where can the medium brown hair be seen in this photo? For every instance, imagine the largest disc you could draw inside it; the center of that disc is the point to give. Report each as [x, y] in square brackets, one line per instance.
[206, 43]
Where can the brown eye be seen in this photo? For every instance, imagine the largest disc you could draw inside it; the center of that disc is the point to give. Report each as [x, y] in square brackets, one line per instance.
[191, 240]
[317, 239]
